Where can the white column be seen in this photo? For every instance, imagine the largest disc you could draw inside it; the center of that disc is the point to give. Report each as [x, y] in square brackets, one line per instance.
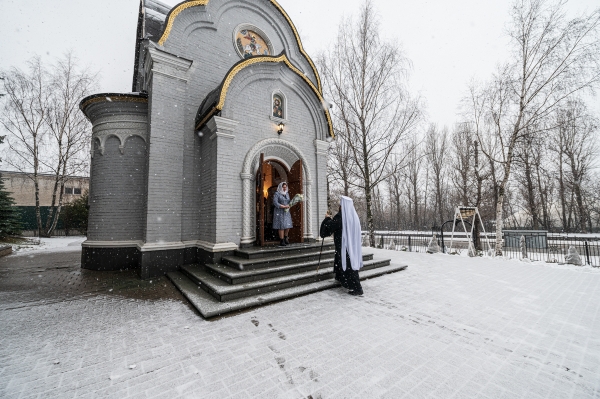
[248, 233]
[308, 233]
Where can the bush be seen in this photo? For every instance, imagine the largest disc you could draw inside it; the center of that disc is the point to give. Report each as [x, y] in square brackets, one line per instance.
[75, 215]
[10, 219]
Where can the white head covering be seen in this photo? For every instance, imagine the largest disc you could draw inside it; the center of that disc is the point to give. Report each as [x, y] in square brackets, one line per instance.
[351, 241]
[280, 188]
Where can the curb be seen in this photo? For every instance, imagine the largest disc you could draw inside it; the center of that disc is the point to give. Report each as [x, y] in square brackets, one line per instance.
[5, 250]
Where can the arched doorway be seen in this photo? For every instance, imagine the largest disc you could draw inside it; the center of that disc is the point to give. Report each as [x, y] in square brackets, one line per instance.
[270, 173]
[275, 148]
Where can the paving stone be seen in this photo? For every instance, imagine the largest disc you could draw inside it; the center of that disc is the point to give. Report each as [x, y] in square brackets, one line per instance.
[478, 329]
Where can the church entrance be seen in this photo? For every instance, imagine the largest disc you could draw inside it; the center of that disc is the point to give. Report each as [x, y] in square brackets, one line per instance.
[270, 173]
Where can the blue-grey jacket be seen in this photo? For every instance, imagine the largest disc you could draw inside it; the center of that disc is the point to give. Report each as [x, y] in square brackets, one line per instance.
[281, 219]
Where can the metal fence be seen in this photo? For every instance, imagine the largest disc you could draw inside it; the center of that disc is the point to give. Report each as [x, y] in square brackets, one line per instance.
[554, 249]
[401, 242]
[557, 249]
[56, 233]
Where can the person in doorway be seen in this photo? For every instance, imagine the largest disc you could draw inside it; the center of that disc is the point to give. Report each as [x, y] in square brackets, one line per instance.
[282, 219]
[345, 227]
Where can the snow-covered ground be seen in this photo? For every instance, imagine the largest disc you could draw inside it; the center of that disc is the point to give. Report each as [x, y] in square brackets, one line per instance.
[52, 244]
[447, 327]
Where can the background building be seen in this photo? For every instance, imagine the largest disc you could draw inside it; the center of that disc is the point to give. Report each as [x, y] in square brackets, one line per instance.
[21, 188]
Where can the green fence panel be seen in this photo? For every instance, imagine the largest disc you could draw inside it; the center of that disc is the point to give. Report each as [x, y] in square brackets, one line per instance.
[28, 219]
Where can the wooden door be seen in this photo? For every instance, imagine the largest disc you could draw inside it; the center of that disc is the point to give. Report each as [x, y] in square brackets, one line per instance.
[260, 203]
[295, 186]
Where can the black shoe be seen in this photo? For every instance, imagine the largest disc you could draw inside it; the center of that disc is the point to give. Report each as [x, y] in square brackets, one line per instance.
[287, 240]
[282, 243]
[355, 293]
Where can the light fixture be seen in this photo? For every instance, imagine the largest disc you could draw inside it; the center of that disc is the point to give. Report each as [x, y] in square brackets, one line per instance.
[280, 128]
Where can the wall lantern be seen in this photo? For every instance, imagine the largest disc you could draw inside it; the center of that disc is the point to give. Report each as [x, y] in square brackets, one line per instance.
[280, 128]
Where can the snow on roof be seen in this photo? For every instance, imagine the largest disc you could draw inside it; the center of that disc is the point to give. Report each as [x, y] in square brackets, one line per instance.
[157, 6]
[155, 14]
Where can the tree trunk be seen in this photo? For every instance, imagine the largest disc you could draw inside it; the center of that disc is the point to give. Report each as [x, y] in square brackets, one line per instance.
[531, 193]
[543, 198]
[499, 220]
[397, 206]
[415, 204]
[579, 199]
[561, 185]
[36, 185]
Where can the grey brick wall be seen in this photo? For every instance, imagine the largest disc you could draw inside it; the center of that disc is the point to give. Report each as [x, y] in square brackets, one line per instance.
[165, 165]
[205, 35]
[117, 175]
[249, 103]
[118, 191]
[189, 188]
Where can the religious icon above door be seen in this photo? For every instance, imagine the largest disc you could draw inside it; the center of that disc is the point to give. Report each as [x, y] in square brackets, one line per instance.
[250, 43]
[278, 106]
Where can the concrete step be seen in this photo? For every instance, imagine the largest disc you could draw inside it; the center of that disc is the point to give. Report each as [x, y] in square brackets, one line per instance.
[223, 291]
[241, 263]
[290, 250]
[209, 307]
[276, 268]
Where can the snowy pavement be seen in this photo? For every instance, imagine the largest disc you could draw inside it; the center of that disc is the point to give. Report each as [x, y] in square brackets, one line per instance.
[53, 244]
[447, 327]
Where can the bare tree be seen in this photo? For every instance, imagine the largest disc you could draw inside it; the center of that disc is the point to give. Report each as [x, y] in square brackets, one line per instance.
[553, 58]
[413, 179]
[461, 161]
[577, 129]
[24, 118]
[528, 160]
[364, 78]
[46, 131]
[340, 163]
[436, 142]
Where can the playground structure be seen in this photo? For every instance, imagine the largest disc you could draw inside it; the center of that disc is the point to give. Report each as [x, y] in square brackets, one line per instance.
[467, 215]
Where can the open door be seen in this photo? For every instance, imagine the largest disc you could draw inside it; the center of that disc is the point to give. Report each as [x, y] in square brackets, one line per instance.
[260, 203]
[296, 187]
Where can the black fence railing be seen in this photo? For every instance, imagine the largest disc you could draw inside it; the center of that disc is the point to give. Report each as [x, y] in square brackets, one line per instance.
[556, 250]
[400, 241]
[553, 249]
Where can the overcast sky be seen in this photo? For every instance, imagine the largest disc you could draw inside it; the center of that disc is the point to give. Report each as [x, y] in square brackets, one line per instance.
[448, 41]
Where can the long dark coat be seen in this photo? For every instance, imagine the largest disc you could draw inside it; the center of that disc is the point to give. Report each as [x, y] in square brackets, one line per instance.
[349, 278]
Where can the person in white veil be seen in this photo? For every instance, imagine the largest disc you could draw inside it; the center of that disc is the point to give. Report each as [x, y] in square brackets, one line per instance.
[345, 227]
[282, 220]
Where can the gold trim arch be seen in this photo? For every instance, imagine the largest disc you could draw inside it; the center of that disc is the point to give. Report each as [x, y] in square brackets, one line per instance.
[193, 3]
[255, 60]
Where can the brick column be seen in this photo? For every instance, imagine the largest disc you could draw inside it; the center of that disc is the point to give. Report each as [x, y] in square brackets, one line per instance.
[221, 133]
[166, 75]
[321, 148]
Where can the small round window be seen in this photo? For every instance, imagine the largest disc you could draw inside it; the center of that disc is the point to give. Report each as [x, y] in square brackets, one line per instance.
[251, 42]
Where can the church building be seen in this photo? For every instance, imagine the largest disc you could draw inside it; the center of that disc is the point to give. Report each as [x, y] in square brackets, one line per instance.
[225, 105]
[222, 89]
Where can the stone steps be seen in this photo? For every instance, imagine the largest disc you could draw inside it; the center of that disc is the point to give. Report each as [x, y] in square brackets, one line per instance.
[209, 307]
[267, 259]
[282, 252]
[233, 275]
[223, 291]
[252, 276]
